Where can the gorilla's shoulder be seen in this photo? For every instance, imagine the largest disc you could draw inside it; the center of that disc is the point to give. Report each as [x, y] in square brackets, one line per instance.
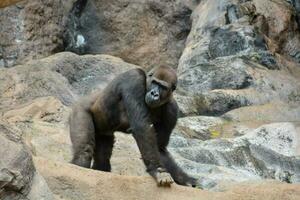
[131, 80]
[134, 75]
[136, 72]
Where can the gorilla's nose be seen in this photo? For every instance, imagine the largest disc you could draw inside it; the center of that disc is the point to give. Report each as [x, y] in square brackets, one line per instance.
[155, 95]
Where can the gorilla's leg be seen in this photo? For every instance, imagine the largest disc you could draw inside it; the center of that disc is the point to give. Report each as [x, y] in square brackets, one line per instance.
[82, 133]
[103, 151]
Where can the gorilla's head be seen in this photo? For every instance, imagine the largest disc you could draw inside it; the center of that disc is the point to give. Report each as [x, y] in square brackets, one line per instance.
[161, 82]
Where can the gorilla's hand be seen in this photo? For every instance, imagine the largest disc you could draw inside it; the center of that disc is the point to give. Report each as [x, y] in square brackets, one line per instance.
[163, 178]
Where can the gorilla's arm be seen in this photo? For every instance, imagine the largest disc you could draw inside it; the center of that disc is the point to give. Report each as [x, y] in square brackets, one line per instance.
[143, 130]
[144, 133]
[164, 129]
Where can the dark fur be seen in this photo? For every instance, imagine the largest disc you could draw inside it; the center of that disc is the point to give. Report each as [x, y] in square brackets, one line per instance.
[121, 107]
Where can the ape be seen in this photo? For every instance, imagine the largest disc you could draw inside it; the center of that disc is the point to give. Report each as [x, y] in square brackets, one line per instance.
[133, 102]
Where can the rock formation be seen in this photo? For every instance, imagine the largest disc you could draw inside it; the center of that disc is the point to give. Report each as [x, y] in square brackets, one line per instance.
[238, 66]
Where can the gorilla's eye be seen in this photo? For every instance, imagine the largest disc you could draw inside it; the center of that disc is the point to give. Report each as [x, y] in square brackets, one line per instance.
[154, 82]
[161, 86]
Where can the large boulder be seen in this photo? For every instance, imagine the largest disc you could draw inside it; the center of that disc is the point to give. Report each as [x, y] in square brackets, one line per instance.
[63, 75]
[239, 54]
[18, 177]
[200, 127]
[270, 151]
[147, 33]
[36, 98]
[31, 30]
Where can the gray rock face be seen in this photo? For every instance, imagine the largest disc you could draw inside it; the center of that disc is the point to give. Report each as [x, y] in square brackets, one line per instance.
[267, 152]
[226, 43]
[235, 56]
[64, 75]
[199, 127]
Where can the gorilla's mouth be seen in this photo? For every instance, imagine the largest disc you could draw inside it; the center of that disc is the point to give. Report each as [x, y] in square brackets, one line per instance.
[151, 102]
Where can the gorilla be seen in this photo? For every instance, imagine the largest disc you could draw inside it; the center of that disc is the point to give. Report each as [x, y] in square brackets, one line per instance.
[134, 102]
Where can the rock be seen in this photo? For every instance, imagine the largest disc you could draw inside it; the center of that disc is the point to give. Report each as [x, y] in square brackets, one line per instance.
[276, 190]
[278, 137]
[147, 33]
[134, 31]
[43, 123]
[46, 109]
[17, 171]
[63, 75]
[264, 87]
[31, 30]
[187, 105]
[199, 127]
[236, 56]
[207, 127]
[39, 189]
[72, 182]
[271, 112]
[44, 127]
[279, 13]
[265, 152]
[239, 65]
[89, 72]
[43, 119]
[16, 167]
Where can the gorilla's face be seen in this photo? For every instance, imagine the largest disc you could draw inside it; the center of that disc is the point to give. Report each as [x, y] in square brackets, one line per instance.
[161, 82]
